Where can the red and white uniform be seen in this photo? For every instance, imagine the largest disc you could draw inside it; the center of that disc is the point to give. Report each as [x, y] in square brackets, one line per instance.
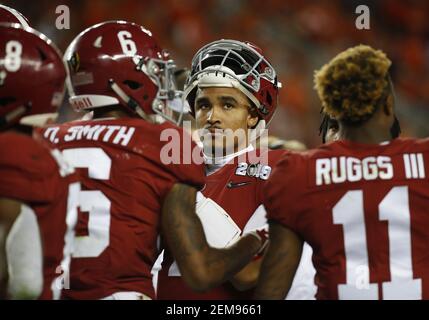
[125, 180]
[39, 178]
[229, 204]
[363, 209]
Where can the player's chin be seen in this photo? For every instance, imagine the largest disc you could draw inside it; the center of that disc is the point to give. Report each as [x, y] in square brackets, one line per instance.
[214, 149]
[220, 144]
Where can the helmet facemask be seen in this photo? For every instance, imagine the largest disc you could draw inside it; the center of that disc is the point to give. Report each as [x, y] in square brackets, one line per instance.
[167, 104]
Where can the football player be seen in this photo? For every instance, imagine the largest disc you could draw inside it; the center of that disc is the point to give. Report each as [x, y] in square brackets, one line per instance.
[118, 71]
[232, 87]
[360, 202]
[35, 182]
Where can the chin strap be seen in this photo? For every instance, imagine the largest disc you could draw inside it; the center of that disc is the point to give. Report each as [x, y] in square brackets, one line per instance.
[131, 103]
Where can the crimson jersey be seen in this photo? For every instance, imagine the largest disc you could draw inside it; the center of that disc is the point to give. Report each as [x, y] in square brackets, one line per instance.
[236, 190]
[127, 167]
[364, 211]
[37, 177]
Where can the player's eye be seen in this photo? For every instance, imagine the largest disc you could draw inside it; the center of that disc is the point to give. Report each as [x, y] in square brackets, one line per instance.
[228, 106]
[202, 106]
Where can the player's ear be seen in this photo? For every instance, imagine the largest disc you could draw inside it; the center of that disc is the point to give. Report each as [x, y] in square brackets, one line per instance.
[252, 118]
[388, 107]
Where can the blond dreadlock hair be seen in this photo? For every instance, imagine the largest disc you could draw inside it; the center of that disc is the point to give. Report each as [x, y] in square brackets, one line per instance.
[353, 84]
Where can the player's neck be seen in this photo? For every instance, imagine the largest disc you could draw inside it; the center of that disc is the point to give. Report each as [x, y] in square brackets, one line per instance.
[375, 130]
[364, 134]
[213, 164]
[212, 152]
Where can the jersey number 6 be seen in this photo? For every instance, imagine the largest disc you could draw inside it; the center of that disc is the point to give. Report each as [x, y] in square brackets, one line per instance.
[95, 202]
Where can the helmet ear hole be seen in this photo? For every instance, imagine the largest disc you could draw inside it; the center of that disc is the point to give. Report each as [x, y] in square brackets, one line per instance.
[133, 85]
[269, 98]
[41, 54]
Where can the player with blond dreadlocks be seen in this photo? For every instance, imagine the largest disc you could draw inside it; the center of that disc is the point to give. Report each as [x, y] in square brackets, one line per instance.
[360, 202]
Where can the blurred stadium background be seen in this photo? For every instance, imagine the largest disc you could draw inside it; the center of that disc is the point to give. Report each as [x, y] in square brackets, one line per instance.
[298, 36]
